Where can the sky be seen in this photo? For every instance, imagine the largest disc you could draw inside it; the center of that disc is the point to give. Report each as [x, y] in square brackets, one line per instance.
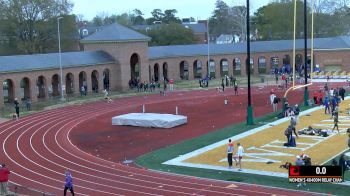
[198, 9]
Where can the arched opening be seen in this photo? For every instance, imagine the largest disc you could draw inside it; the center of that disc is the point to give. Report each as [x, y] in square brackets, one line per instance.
[197, 69]
[262, 64]
[299, 67]
[41, 86]
[165, 71]
[286, 68]
[55, 85]
[94, 81]
[211, 68]
[106, 79]
[237, 66]
[8, 92]
[251, 66]
[184, 70]
[69, 84]
[274, 64]
[223, 67]
[25, 89]
[298, 59]
[156, 72]
[135, 66]
[83, 81]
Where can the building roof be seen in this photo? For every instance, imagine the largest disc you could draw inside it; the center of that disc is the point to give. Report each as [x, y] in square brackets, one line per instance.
[197, 27]
[115, 33]
[33, 62]
[342, 42]
[21, 63]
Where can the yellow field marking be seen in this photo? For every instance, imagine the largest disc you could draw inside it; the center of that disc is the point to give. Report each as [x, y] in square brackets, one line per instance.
[268, 144]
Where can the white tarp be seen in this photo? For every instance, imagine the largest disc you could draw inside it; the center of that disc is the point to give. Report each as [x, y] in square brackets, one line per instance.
[150, 120]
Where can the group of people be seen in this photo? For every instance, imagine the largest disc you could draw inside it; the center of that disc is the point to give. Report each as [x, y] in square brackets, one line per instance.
[146, 86]
[237, 158]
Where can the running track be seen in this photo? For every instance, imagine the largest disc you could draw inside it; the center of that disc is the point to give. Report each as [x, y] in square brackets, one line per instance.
[37, 150]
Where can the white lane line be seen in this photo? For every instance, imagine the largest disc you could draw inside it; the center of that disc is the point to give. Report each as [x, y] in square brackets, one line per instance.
[67, 121]
[167, 179]
[54, 115]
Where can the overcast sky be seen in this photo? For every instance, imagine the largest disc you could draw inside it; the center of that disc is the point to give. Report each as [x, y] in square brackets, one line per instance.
[199, 9]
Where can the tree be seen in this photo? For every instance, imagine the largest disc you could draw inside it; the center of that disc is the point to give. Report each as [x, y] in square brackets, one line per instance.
[239, 18]
[169, 17]
[157, 14]
[170, 34]
[137, 18]
[33, 24]
[275, 20]
[220, 22]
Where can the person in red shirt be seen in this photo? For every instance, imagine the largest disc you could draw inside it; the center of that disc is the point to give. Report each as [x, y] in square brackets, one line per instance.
[4, 178]
[171, 82]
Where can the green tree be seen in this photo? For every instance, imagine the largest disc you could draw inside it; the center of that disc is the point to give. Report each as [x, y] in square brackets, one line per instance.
[171, 34]
[220, 22]
[137, 18]
[169, 17]
[32, 25]
[275, 20]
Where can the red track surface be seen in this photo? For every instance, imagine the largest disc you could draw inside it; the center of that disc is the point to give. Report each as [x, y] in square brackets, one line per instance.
[37, 148]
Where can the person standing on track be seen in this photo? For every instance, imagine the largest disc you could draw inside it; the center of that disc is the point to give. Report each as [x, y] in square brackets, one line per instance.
[68, 183]
[4, 178]
[229, 153]
[236, 88]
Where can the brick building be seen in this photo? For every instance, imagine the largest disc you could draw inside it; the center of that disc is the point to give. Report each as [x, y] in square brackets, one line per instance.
[115, 54]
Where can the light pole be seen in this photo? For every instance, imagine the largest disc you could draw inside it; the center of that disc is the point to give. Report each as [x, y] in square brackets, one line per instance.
[60, 56]
[250, 120]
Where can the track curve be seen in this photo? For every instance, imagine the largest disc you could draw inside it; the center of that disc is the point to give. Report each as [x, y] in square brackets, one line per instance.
[38, 149]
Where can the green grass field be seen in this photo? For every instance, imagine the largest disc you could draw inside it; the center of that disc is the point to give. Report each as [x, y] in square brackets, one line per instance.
[155, 159]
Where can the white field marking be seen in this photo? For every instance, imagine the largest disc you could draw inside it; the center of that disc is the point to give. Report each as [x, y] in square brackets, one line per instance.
[178, 161]
[159, 178]
[147, 181]
[32, 171]
[181, 158]
[60, 120]
[259, 157]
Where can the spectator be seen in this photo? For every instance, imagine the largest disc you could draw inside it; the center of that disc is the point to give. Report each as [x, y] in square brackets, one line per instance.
[342, 93]
[229, 153]
[239, 156]
[342, 163]
[4, 178]
[222, 85]
[336, 123]
[326, 105]
[296, 112]
[236, 88]
[16, 103]
[28, 104]
[300, 162]
[171, 84]
[68, 183]
[273, 101]
[349, 142]
[82, 90]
